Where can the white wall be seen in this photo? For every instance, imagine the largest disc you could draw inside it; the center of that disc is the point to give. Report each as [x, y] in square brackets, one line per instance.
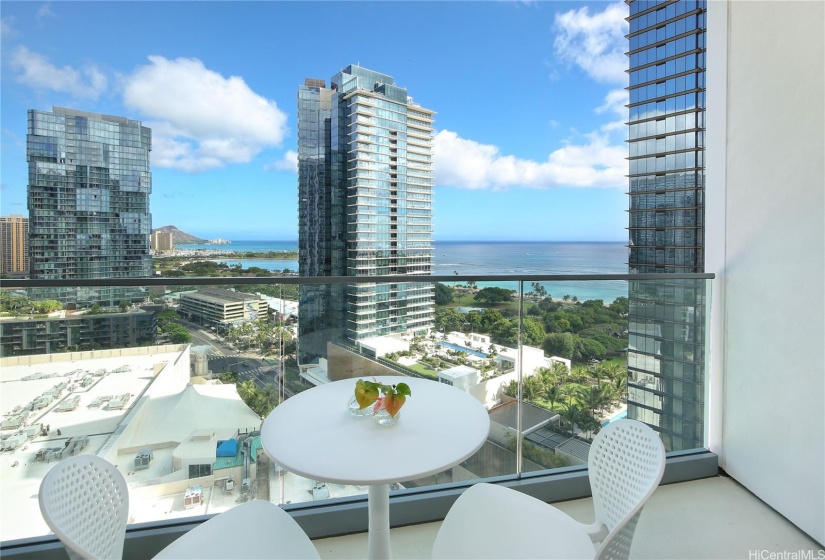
[769, 252]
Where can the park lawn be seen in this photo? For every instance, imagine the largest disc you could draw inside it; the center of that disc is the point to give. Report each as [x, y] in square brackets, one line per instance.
[424, 370]
[558, 406]
[619, 360]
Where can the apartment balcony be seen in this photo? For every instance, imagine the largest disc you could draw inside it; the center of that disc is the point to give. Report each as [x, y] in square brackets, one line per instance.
[682, 521]
[338, 522]
[763, 375]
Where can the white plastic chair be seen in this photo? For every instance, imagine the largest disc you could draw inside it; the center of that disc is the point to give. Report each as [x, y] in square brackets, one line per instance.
[625, 466]
[85, 502]
[255, 529]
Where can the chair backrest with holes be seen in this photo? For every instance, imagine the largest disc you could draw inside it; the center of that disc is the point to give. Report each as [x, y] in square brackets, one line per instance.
[626, 464]
[85, 502]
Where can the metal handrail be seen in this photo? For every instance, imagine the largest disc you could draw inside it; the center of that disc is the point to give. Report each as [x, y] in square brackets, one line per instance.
[20, 283]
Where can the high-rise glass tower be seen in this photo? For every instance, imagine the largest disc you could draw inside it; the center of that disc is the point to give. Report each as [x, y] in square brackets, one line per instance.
[88, 199]
[666, 357]
[14, 245]
[365, 184]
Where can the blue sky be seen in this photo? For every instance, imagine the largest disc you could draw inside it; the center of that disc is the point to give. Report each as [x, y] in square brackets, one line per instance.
[529, 99]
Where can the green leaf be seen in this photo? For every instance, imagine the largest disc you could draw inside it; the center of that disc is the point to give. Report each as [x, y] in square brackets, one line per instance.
[403, 389]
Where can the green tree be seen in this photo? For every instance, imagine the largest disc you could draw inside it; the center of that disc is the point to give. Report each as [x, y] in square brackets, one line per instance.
[179, 335]
[505, 333]
[489, 318]
[563, 345]
[590, 348]
[532, 333]
[46, 305]
[553, 393]
[167, 316]
[447, 319]
[594, 397]
[248, 391]
[532, 388]
[265, 400]
[571, 413]
[620, 306]
[473, 322]
[511, 389]
[539, 290]
[620, 386]
[228, 377]
[589, 424]
[494, 295]
[443, 294]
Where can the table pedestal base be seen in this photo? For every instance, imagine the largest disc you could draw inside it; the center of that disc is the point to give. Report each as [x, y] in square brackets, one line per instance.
[378, 537]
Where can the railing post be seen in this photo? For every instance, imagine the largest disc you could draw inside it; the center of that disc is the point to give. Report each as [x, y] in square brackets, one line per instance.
[520, 377]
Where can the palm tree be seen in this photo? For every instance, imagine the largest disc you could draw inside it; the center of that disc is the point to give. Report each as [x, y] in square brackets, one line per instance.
[266, 400]
[247, 391]
[560, 370]
[571, 414]
[589, 424]
[579, 373]
[593, 397]
[548, 376]
[553, 393]
[533, 388]
[511, 389]
[620, 385]
[599, 373]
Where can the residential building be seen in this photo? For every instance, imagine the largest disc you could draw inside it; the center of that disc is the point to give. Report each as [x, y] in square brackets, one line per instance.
[666, 348]
[88, 199]
[23, 336]
[365, 185]
[14, 245]
[222, 308]
[162, 241]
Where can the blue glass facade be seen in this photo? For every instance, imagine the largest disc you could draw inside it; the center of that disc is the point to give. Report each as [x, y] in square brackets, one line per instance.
[365, 185]
[88, 200]
[666, 356]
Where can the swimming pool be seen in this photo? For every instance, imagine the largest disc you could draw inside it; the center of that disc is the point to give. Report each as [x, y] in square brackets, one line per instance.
[622, 414]
[458, 348]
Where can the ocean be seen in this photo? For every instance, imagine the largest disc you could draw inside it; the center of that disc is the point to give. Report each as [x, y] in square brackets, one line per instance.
[489, 258]
[538, 257]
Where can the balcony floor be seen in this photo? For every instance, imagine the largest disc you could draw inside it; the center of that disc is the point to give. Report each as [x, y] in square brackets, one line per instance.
[731, 521]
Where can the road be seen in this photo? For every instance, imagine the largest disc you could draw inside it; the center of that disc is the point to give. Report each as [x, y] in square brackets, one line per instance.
[223, 358]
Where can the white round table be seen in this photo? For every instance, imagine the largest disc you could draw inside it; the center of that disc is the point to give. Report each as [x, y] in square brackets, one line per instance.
[313, 435]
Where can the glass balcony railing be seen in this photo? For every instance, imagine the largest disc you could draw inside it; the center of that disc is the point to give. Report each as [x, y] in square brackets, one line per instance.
[170, 378]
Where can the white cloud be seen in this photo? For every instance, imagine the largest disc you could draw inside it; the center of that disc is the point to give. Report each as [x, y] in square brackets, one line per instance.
[289, 162]
[615, 102]
[201, 120]
[45, 11]
[35, 70]
[594, 43]
[7, 29]
[468, 164]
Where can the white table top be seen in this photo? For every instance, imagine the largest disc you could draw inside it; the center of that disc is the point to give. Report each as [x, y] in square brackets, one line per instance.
[313, 434]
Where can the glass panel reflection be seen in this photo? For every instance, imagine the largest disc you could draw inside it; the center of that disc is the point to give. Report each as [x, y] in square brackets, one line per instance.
[173, 390]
